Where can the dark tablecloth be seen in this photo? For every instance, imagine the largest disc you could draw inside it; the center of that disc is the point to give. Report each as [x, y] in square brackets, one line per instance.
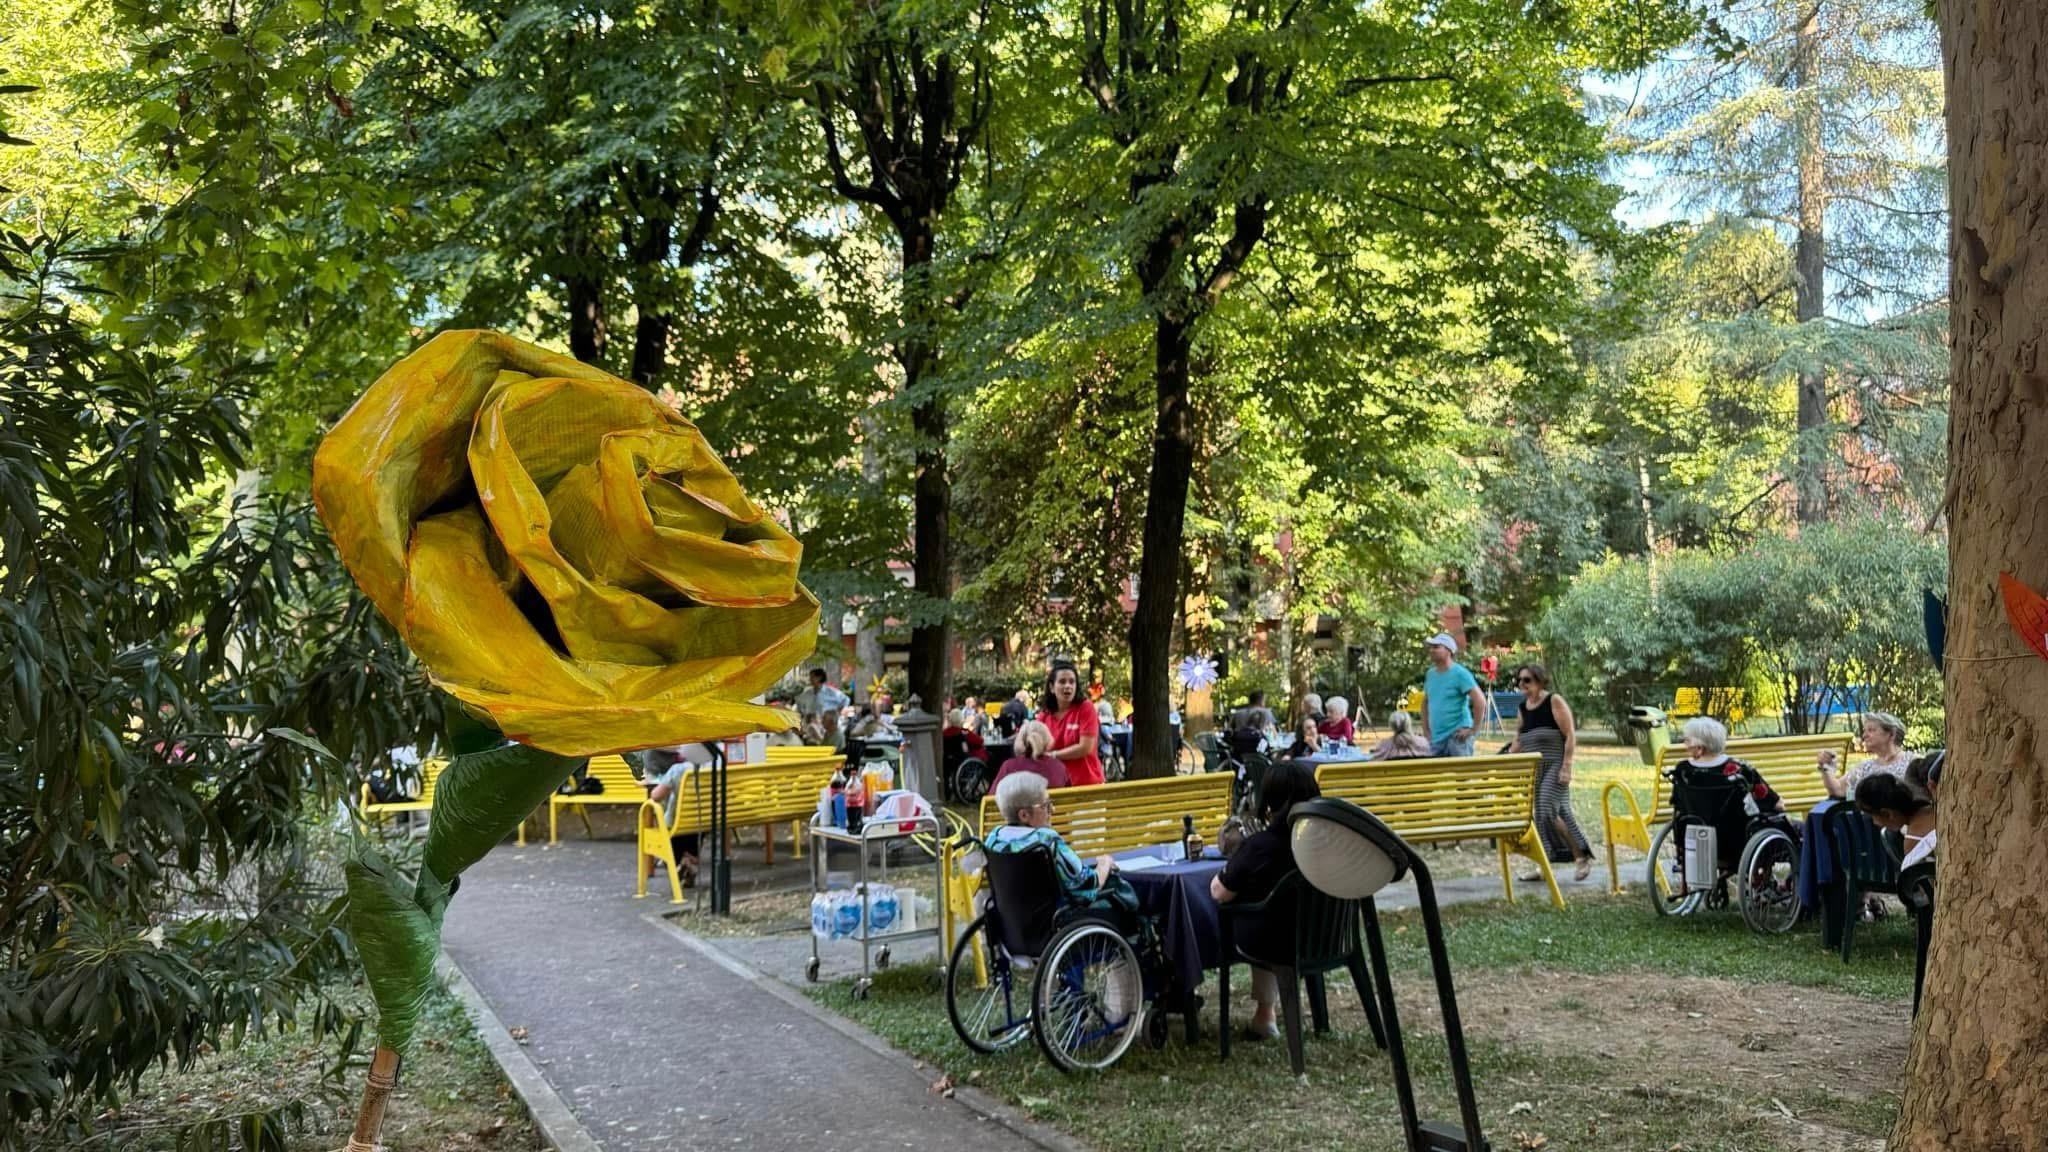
[1821, 885]
[1190, 924]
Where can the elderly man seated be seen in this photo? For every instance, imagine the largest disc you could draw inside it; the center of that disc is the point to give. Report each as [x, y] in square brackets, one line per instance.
[1027, 823]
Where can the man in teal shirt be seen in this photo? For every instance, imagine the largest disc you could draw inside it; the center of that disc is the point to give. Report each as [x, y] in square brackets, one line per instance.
[1451, 699]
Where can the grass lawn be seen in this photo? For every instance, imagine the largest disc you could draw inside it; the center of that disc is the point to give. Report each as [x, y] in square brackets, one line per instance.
[1601, 1028]
[450, 1096]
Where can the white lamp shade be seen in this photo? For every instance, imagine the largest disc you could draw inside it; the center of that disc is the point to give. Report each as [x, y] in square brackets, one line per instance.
[1342, 850]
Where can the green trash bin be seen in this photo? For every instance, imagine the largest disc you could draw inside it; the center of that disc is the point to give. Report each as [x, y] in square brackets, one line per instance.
[1649, 729]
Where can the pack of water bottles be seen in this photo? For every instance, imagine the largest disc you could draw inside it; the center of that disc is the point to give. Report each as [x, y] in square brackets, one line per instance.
[836, 915]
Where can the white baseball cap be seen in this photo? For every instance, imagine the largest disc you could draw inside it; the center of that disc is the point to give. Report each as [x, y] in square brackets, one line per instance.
[1443, 639]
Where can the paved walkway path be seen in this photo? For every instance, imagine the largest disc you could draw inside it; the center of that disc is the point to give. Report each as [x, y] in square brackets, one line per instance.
[654, 1045]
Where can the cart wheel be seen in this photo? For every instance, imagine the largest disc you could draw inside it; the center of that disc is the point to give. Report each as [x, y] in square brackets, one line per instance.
[1158, 1025]
[882, 959]
[860, 988]
[811, 970]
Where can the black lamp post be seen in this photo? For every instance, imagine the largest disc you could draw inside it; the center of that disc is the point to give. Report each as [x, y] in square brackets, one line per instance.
[1347, 852]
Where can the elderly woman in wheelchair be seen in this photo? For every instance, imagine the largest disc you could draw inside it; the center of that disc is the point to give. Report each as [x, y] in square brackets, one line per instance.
[1059, 953]
[1727, 824]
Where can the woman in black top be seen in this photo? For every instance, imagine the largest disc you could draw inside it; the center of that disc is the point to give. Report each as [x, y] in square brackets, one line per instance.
[1548, 730]
[1254, 870]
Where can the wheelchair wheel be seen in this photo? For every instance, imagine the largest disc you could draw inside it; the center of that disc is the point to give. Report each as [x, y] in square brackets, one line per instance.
[1667, 854]
[1769, 882]
[989, 1008]
[970, 781]
[1088, 1004]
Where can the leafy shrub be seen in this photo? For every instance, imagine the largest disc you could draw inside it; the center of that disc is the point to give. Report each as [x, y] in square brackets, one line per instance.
[1835, 606]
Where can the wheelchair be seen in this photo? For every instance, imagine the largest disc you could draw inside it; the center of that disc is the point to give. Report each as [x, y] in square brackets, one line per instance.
[1084, 983]
[966, 776]
[1765, 870]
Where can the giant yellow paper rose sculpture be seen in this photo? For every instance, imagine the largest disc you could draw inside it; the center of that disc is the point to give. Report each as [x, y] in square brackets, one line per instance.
[562, 551]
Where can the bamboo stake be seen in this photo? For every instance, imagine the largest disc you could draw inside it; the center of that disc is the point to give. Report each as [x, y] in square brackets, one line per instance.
[376, 1090]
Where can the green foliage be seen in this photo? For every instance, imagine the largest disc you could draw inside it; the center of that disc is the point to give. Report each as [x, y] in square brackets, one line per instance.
[1835, 606]
[159, 895]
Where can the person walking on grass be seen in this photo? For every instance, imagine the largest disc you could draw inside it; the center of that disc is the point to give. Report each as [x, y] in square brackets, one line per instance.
[1549, 731]
[1451, 700]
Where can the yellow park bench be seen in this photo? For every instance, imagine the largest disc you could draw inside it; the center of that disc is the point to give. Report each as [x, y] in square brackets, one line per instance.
[764, 794]
[1435, 800]
[622, 787]
[374, 810]
[1787, 763]
[1107, 818]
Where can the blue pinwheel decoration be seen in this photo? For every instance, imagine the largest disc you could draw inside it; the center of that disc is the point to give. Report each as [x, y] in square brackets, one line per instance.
[1196, 672]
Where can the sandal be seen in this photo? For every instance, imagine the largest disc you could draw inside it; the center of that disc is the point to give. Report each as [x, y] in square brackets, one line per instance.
[1259, 1035]
[1584, 869]
[689, 871]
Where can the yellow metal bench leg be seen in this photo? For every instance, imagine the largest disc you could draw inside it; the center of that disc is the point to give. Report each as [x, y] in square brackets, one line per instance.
[796, 838]
[554, 812]
[1550, 879]
[583, 812]
[1507, 878]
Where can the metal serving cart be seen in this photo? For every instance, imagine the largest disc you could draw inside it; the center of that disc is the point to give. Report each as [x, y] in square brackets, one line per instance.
[874, 947]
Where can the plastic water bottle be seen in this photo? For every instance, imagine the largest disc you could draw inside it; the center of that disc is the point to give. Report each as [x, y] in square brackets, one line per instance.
[883, 907]
[845, 914]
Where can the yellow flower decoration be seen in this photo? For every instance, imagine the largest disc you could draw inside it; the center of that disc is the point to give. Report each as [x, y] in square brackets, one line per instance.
[561, 550]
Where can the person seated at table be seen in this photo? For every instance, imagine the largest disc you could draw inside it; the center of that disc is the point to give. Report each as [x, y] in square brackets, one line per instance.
[1015, 711]
[1312, 707]
[974, 717]
[874, 727]
[1022, 799]
[1884, 738]
[1925, 772]
[1308, 741]
[1899, 807]
[1709, 783]
[1032, 752]
[1402, 742]
[958, 731]
[1336, 723]
[1254, 870]
[662, 770]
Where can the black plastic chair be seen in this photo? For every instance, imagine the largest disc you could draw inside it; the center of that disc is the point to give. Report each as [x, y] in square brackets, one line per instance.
[1865, 862]
[1026, 897]
[1326, 940]
[1252, 768]
[1916, 889]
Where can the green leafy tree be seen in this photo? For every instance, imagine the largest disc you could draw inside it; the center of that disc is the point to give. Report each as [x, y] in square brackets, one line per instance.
[1206, 137]
[1822, 120]
[166, 646]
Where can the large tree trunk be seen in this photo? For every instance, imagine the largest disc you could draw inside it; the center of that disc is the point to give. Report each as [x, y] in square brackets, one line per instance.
[1810, 299]
[1166, 506]
[650, 331]
[586, 318]
[1977, 1080]
[931, 664]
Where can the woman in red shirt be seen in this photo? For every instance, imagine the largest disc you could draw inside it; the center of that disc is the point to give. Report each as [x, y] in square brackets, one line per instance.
[1075, 727]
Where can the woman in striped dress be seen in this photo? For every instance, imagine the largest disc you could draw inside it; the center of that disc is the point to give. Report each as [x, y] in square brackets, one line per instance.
[1547, 730]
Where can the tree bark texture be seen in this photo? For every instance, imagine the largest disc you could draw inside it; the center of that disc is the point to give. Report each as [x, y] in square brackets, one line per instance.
[1166, 507]
[1810, 261]
[931, 644]
[915, 132]
[1977, 1080]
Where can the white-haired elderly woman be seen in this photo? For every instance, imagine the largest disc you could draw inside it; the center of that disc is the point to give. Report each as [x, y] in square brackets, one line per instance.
[1023, 799]
[1312, 707]
[1706, 752]
[1884, 739]
[1336, 723]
